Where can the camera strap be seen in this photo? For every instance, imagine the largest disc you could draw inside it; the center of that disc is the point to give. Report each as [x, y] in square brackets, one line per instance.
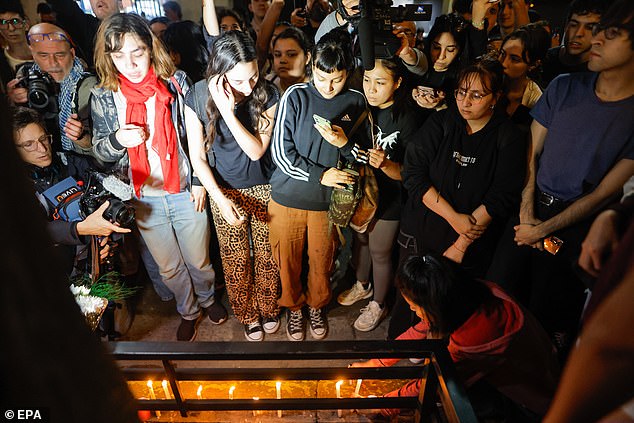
[64, 197]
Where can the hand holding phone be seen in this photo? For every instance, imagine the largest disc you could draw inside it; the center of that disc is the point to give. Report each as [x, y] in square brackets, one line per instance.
[322, 121]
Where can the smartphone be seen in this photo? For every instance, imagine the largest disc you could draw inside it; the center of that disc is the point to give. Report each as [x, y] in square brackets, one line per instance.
[321, 121]
[552, 244]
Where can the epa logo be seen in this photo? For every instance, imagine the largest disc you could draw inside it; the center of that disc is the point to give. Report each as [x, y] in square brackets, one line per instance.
[23, 415]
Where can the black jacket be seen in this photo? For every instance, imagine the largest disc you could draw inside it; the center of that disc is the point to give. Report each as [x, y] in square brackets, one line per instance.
[487, 168]
[301, 154]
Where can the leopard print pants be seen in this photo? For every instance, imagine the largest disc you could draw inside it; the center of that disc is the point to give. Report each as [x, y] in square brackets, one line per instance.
[253, 285]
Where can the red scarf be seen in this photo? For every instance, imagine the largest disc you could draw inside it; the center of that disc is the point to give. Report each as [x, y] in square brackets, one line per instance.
[164, 141]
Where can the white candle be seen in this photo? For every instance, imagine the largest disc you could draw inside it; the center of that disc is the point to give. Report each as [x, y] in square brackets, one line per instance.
[233, 388]
[254, 410]
[278, 389]
[338, 388]
[199, 392]
[165, 390]
[358, 388]
[152, 395]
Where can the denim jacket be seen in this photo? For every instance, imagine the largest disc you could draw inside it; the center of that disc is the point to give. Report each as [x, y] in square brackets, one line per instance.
[105, 146]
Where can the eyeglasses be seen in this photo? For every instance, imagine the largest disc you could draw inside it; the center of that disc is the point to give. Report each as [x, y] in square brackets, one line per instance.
[474, 96]
[51, 36]
[610, 32]
[31, 145]
[15, 22]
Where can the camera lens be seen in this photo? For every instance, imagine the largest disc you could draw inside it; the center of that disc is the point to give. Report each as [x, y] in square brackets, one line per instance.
[119, 212]
[38, 96]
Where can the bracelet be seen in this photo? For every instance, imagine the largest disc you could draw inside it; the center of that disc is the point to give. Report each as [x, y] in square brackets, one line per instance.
[479, 25]
[456, 247]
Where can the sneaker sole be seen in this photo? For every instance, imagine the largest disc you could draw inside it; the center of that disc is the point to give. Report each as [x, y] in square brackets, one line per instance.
[253, 340]
[316, 336]
[371, 328]
[219, 322]
[274, 330]
[290, 337]
[348, 303]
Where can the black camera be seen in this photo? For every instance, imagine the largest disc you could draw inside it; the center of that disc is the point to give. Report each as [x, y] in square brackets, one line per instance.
[42, 90]
[374, 23]
[102, 188]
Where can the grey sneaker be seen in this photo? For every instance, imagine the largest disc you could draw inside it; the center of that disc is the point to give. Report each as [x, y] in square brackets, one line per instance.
[371, 316]
[354, 294]
[295, 325]
[318, 323]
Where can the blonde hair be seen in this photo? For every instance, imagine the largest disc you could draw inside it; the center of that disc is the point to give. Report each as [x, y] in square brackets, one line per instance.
[110, 39]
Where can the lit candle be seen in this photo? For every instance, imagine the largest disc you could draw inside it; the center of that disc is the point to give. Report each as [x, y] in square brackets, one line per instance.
[254, 410]
[165, 390]
[233, 388]
[152, 395]
[358, 388]
[278, 389]
[199, 392]
[338, 388]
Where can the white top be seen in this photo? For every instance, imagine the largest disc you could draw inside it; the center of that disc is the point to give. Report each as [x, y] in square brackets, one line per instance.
[153, 186]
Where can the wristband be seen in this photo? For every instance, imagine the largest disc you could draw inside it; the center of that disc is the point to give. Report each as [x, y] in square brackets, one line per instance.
[196, 181]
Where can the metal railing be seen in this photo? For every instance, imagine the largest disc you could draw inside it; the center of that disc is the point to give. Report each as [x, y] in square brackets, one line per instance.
[439, 382]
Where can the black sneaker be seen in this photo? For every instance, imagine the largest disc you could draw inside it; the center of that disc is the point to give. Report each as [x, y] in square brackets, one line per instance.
[295, 325]
[187, 330]
[253, 332]
[216, 312]
[271, 324]
[318, 323]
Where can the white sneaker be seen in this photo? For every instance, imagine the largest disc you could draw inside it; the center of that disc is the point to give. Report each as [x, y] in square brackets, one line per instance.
[271, 324]
[371, 316]
[253, 332]
[354, 294]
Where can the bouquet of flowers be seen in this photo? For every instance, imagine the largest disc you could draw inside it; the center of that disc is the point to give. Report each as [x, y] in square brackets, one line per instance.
[92, 296]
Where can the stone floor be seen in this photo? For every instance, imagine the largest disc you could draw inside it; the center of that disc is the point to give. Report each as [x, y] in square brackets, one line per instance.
[155, 320]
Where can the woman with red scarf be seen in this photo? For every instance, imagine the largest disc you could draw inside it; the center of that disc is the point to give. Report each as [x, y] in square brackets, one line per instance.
[138, 125]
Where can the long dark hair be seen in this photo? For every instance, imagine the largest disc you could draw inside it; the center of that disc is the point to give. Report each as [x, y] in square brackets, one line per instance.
[535, 44]
[186, 39]
[293, 33]
[396, 69]
[231, 48]
[443, 289]
[454, 25]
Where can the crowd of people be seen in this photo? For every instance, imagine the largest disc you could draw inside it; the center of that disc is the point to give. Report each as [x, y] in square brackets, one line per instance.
[493, 145]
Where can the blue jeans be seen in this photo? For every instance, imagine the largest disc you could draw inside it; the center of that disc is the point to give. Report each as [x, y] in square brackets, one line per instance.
[177, 236]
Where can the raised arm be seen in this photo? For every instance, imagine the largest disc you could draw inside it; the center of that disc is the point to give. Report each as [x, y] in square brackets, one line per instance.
[266, 30]
[210, 20]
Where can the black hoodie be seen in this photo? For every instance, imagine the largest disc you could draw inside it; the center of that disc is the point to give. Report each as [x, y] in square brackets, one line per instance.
[487, 167]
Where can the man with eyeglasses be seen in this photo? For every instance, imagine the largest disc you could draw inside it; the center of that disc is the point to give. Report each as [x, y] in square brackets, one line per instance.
[54, 54]
[13, 27]
[574, 54]
[81, 26]
[581, 155]
[46, 170]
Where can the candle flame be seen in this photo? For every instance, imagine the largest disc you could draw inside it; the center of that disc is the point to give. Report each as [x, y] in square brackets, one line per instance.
[278, 385]
[200, 390]
[149, 384]
[233, 388]
[338, 384]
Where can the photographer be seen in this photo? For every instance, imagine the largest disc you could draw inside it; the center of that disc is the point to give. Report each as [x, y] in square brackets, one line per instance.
[348, 13]
[66, 113]
[46, 170]
[13, 25]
